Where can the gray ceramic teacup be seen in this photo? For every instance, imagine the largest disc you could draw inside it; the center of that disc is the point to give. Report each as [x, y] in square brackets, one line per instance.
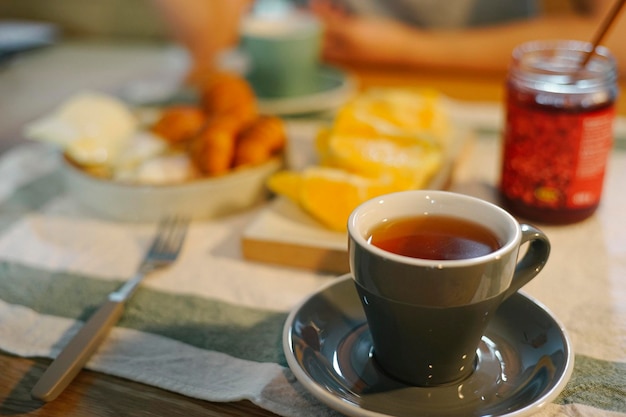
[427, 316]
[283, 53]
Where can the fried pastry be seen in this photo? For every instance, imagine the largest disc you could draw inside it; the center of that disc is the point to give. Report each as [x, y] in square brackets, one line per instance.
[259, 141]
[178, 124]
[213, 150]
[227, 94]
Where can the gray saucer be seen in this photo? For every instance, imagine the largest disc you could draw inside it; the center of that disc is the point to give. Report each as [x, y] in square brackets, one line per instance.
[523, 362]
[334, 88]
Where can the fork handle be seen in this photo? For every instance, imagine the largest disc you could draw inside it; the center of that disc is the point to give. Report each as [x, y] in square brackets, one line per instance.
[77, 352]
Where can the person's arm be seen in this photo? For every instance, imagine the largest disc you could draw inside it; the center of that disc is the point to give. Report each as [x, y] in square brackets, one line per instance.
[203, 27]
[385, 42]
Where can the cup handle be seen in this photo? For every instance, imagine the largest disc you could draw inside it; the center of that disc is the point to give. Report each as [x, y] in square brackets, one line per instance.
[534, 259]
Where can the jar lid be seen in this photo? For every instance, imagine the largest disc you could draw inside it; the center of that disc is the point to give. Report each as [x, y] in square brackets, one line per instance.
[554, 66]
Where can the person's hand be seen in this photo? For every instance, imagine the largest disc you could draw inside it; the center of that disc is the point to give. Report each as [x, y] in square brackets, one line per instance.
[365, 40]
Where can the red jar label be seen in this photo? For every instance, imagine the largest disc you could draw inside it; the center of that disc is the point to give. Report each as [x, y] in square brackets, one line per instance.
[555, 159]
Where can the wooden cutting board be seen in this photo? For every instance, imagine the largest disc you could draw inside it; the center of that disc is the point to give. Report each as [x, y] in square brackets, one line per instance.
[286, 235]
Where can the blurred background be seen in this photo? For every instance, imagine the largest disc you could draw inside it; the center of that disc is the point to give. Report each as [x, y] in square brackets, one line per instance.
[126, 41]
[129, 19]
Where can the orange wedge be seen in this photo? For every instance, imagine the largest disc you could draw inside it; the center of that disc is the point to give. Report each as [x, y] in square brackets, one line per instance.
[406, 161]
[328, 194]
[384, 140]
[416, 112]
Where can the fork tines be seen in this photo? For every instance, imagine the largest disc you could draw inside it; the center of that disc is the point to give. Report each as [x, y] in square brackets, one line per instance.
[170, 236]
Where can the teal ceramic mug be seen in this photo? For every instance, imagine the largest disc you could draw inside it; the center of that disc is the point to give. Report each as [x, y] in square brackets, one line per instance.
[283, 53]
[428, 303]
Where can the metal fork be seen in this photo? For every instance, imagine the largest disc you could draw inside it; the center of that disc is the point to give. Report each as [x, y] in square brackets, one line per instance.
[163, 252]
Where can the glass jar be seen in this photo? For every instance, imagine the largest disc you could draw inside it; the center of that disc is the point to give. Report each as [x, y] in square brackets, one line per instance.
[558, 130]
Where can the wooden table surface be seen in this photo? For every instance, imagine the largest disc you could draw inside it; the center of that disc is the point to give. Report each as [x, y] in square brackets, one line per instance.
[94, 394]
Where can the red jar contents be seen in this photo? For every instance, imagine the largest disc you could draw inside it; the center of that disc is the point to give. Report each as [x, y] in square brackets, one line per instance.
[558, 133]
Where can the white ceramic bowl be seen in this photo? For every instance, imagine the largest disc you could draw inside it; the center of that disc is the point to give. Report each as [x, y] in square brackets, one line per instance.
[198, 199]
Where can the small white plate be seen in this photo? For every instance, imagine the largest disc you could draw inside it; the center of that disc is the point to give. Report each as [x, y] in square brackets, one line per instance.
[524, 361]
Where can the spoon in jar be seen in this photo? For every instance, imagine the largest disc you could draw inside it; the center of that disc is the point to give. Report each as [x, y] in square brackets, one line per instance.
[604, 28]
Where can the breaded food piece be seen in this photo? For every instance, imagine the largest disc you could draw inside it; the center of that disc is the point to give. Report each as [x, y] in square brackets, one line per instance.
[261, 140]
[178, 124]
[213, 150]
[226, 94]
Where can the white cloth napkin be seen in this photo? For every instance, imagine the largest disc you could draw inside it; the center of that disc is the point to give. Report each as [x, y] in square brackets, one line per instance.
[583, 284]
